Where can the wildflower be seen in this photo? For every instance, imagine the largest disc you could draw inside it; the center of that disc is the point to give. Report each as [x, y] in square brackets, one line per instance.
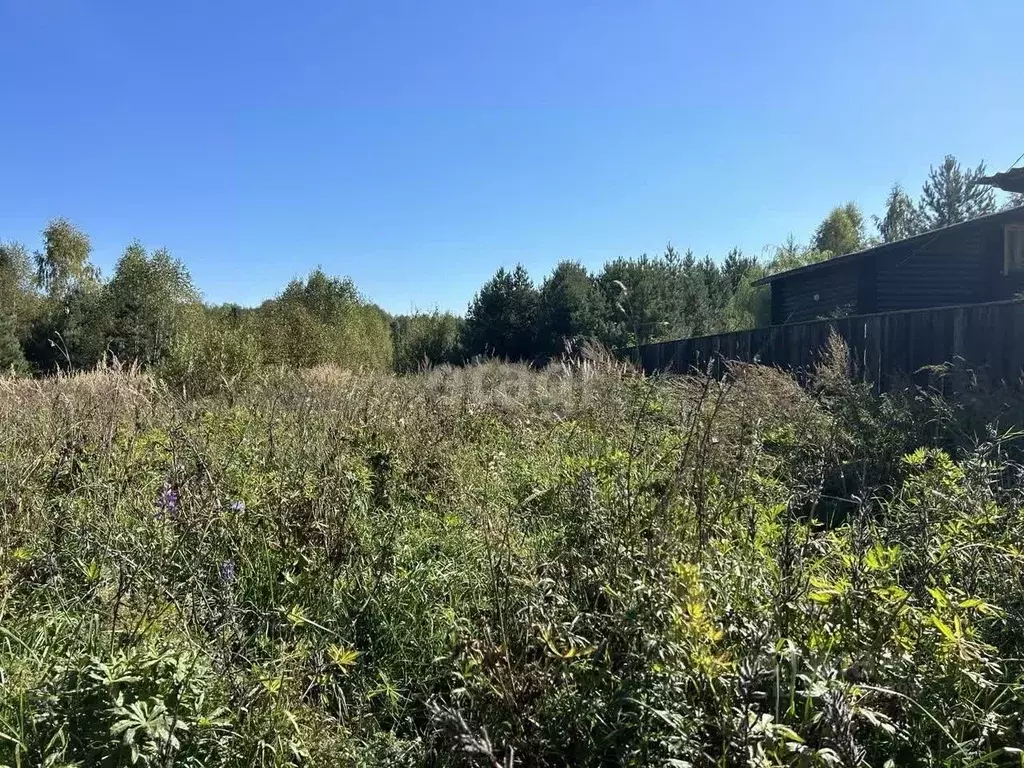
[167, 502]
[227, 571]
[238, 506]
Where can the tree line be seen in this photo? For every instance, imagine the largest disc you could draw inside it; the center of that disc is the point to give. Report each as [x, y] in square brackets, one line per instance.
[57, 311]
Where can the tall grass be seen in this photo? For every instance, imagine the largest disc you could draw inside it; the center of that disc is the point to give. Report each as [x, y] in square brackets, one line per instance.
[502, 567]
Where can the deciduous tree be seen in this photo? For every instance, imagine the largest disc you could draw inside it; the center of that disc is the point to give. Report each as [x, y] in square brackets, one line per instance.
[841, 232]
[426, 338]
[144, 303]
[323, 320]
[64, 264]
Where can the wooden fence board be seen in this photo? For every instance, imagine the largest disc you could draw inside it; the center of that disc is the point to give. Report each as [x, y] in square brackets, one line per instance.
[884, 348]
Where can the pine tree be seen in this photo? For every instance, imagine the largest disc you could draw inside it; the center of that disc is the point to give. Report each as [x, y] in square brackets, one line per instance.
[902, 218]
[643, 299]
[736, 267]
[707, 291]
[571, 308]
[502, 318]
[951, 195]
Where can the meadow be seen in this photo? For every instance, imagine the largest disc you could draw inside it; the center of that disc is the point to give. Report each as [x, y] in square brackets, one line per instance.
[500, 566]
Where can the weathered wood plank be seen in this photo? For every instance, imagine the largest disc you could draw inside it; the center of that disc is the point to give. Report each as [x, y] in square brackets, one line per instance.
[885, 348]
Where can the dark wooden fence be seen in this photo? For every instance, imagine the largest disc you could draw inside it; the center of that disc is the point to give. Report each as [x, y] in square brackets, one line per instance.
[884, 348]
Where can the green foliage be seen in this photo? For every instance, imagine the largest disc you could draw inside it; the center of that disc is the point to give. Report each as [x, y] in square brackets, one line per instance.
[738, 268]
[11, 356]
[17, 305]
[70, 334]
[366, 339]
[145, 304]
[149, 313]
[322, 321]
[325, 297]
[144, 314]
[425, 339]
[212, 354]
[792, 255]
[638, 296]
[499, 566]
[502, 318]
[902, 218]
[673, 295]
[64, 264]
[841, 232]
[951, 194]
[703, 291]
[669, 296]
[749, 306]
[572, 310]
[292, 335]
[16, 283]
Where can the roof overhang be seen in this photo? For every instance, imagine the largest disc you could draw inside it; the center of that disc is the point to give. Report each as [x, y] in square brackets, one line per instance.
[1008, 181]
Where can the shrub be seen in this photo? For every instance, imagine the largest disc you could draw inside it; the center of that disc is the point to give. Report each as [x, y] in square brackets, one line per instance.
[211, 355]
[422, 340]
[323, 321]
[498, 565]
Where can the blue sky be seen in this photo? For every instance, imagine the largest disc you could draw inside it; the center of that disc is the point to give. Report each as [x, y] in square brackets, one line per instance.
[418, 146]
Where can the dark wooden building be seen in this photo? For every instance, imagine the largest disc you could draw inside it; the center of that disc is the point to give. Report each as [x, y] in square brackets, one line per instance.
[978, 261]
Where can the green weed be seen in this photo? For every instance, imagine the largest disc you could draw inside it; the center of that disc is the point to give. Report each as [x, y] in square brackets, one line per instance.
[504, 567]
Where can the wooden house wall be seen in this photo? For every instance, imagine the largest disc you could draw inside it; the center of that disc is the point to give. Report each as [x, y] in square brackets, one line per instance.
[949, 270]
[819, 294]
[960, 267]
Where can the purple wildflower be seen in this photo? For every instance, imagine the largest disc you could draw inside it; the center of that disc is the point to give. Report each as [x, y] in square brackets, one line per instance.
[167, 502]
[227, 571]
[238, 506]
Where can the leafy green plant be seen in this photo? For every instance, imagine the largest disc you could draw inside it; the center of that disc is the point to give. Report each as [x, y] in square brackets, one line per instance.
[503, 566]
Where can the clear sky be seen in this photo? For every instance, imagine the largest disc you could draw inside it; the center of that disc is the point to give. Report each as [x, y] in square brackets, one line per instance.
[417, 146]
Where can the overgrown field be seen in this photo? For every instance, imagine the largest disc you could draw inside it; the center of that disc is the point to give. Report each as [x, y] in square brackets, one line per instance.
[495, 566]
